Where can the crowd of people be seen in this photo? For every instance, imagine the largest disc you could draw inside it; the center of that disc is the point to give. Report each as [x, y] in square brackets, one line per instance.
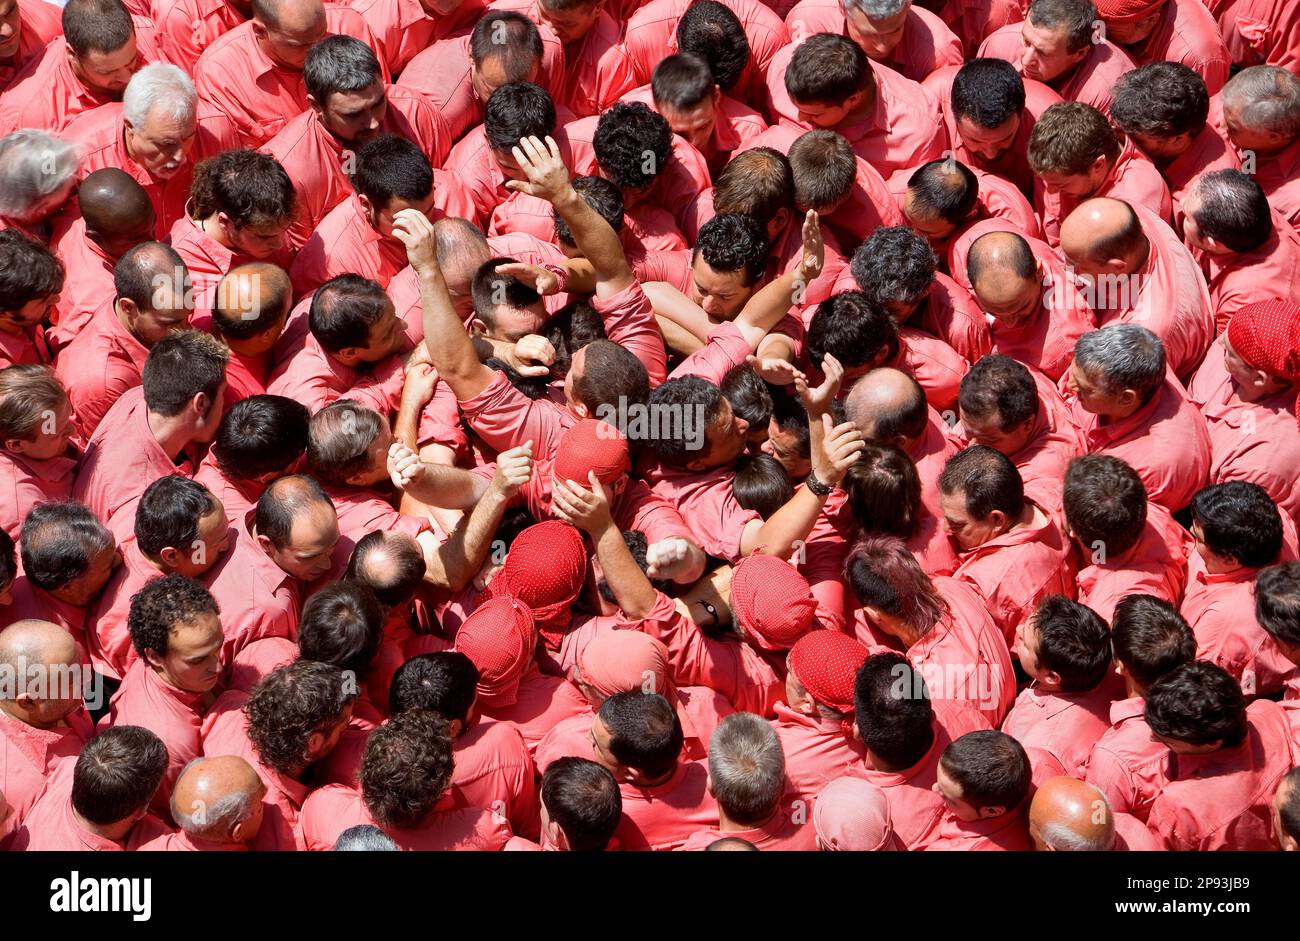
[649, 425]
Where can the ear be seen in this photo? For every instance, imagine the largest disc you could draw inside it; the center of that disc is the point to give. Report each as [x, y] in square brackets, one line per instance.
[265, 544]
[259, 30]
[347, 355]
[580, 409]
[201, 403]
[14, 445]
[311, 99]
[170, 556]
[71, 53]
[366, 204]
[314, 742]
[988, 813]
[555, 834]
[1053, 678]
[237, 832]
[854, 100]
[151, 657]
[477, 326]
[127, 308]
[1127, 398]
[857, 733]
[1100, 166]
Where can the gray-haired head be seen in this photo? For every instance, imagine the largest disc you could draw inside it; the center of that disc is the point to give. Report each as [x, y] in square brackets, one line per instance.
[1123, 356]
[1265, 98]
[365, 838]
[159, 88]
[33, 166]
[746, 768]
[876, 9]
[339, 64]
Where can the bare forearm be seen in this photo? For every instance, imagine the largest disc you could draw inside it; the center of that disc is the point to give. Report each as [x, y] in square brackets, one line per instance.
[450, 347]
[787, 526]
[464, 552]
[597, 241]
[765, 309]
[449, 487]
[632, 590]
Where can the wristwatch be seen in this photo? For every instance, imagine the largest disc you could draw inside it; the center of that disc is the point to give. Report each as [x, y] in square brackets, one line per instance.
[816, 487]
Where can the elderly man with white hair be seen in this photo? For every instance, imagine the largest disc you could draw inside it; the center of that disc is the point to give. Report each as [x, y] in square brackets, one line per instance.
[153, 135]
[907, 38]
[1067, 815]
[38, 175]
[1261, 116]
[217, 804]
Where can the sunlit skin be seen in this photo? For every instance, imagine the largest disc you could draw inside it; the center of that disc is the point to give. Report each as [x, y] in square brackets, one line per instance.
[36, 311]
[784, 446]
[989, 432]
[1262, 143]
[49, 439]
[106, 73]
[572, 24]
[83, 590]
[489, 75]
[720, 294]
[1134, 32]
[11, 29]
[259, 240]
[301, 25]
[1163, 150]
[695, 124]
[382, 219]
[162, 144]
[878, 38]
[54, 648]
[1252, 385]
[1011, 300]
[951, 793]
[1043, 56]
[312, 538]
[965, 530]
[1096, 398]
[211, 544]
[193, 659]
[353, 117]
[150, 326]
[1078, 185]
[988, 145]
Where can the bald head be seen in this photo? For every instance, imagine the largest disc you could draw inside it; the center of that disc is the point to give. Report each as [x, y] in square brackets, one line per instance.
[1070, 815]
[888, 406]
[291, 16]
[117, 210]
[26, 642]
[219, 799]
[462, 250]
[998, 265]
[252, 301]
[52, 650]
[390, 563]
[1104, 235]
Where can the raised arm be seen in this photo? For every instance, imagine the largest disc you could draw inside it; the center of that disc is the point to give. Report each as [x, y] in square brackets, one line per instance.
[766, 308]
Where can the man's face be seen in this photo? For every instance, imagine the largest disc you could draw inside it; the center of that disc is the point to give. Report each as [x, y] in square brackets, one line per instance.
[107, 72]
[988, 431]
[10, 29]
[487, 76]
[965, 530]
[35, 311]
[355, 117]
[784, 446]
[385, 337]
[162, 144]
[1093, 396]
[82, 591]
[1245, 137]
[382, 219]
[1132, 33]
[951, 793]
[599, 737]
[877, 37]
[694, 124]
[312, 538]
[116, 245]
[988, 145]
[1280, 800]
[721, 294]
[1025, 648]
[1078, 185]
[725, 439]
[572, 24]
[288, 43]
[1011, 301]
[933, 227]
[193, 658]
[212, 542]
[1163, 149]
[1243, 375]
[50, 439]
[171, 314]
[259, 241]
[376, 468]
[510, 168]
[1043, 55]
[321, 744]
[820, 114]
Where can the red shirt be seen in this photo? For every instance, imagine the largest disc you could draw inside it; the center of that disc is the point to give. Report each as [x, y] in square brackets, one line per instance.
[27, 346]
[1065, 725]
[817, 749]
[237, 496]
[51, 823]
[902, 130]
[1222, 800]
[1209, 151]
[664, 816]
[315, 378]
[403, 27]
[313, 157]
[786, 831]
[1127, 765]
[1185, 33]
[1155, 565]
[1089, 82]
[540, 704]
[1240, 278]
[975, 20]
[927, 43]
[1277, 174]
[362, 510]
[1013, 164]
[39, 22]
[1257, 442]
[474, 166]
[1008, 832]
[259, 96]
[103, 362]
[122, 459]
[335, 808]
[914, 808]
[109, 639]
[1262, 32]
[651, 35]
[174, 715]
[25, 482]
[734, 126]
[187, 27]
[29, 756]
[1165, 441]
[47, 94]
[87, 283]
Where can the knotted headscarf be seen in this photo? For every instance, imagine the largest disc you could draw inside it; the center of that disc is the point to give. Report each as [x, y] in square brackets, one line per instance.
[545, 570]
[499, 638]
[773, 602]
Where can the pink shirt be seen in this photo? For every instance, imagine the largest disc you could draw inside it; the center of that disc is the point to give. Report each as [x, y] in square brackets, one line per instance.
[335, 808]
[182, 842]
[734, 126]
[207, 261]
[1220, 608]
[1132, 178]
[817, 749]
[1127, 765]
[1132, 835]
[313, 157]
[1015, 571]
[146, 700]
[786, 832]
[187, 27]
[1277, 174]
[974, 20]
[29, 756]
[362, 510]
[1262, 32]
[27, 346]
[651, 35]
[1221, 800]
[1089, 82]
[1008, 832]
[664, 816]
[237, 496]
[541, 703]
[315, 378]
[122, 459]
[926, 44]
[1186, 33]
[902, 130]
[1209, 151]
[1065, 725]
[1240, 278]
[47, 94]
[403, 27]
[109, 639]
[443, 72]
[1258, 442]
[99, 366]
[257, 598]
[225, 732]
[51, 824]
[504, 418]
[259, 96]
[39, 23]
[25, 482]
[1155, 565]
[87, 283]
[472, 163]
[1165, 441]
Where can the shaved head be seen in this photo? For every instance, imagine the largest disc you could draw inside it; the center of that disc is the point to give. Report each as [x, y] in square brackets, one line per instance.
[219, 799]
[887, 404]
[1067, 814]
[998, 264]
[1102, 230]
[117, 210]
